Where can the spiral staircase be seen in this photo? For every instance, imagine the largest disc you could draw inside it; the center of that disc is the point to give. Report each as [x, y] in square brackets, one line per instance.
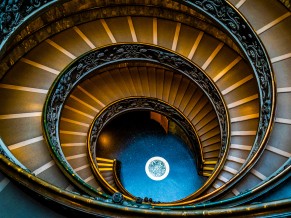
[219, 68]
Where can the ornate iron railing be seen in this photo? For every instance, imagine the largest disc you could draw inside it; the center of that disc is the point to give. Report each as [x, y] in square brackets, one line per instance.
[59, 15]
[85, 205]
[112, 167]
[97, 59]
[116, 177]
[138, 104]
[141, 104]
[14, 13]
[233, 22]
[225, 15]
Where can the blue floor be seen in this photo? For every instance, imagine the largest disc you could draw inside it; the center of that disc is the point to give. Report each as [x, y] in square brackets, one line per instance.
[133, 139]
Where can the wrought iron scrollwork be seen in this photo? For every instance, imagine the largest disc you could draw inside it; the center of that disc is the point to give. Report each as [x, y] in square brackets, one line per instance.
[96, 59]
[249, 42]
[12, 13]
[221, 12]
[141, 103]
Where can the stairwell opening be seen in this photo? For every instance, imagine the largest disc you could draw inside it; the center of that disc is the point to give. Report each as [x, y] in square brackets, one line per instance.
[144, 147]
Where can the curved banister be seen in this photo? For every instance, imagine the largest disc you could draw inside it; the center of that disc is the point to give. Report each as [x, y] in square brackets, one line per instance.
[97, 206]
[274, 180]
[104, 183]
[121, 106]
[116, 166]
[267, 106]
[136, 104]
[228, 17]
[17, 45]
[95, 60]
[14, 16]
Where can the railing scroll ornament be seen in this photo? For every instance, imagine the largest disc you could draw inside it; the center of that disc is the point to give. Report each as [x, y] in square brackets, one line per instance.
[97, 59]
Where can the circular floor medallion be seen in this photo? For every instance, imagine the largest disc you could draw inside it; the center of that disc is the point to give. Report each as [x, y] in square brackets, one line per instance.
[157, 168]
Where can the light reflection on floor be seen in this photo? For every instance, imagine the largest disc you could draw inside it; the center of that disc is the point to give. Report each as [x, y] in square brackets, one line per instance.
[133, 140]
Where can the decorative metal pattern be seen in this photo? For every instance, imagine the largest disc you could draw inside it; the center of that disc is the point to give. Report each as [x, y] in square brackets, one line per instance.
[132, 104]
[232, 22]
[235, 24]
[278, 177]
[28, 38]
[12, 13]
[87, 205]
[97, 59]
[157, 168]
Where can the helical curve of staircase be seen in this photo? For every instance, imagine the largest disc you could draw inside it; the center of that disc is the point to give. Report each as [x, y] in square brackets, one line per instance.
[219, 69]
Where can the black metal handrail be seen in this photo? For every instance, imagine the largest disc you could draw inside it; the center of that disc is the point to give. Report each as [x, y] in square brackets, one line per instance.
[233, 22]
[86, 205]
[116, 176]
[229, 18]
[105, 184]
[142, 104]
[94, 60]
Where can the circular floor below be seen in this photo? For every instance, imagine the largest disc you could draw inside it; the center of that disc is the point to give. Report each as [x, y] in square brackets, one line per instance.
[134, 139]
